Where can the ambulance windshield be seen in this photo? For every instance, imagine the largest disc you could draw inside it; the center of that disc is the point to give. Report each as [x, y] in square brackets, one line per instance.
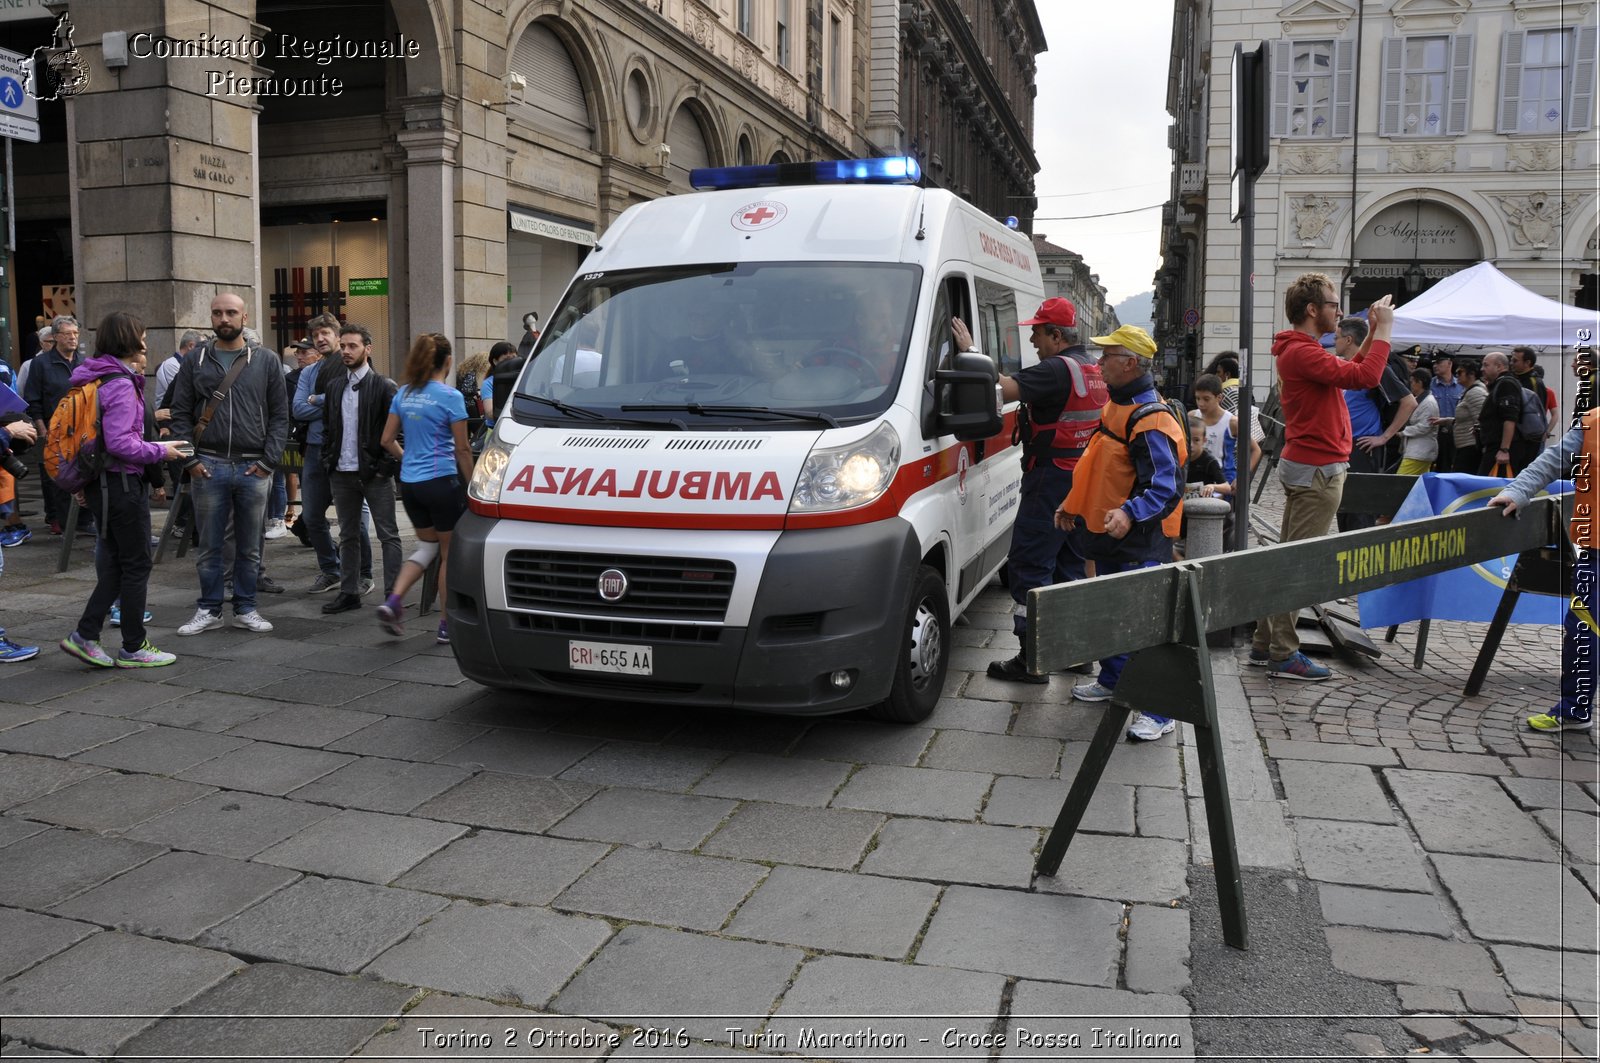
[825, 337]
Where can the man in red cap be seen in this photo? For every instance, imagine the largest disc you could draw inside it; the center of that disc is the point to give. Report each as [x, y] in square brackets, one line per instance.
[1061, 397]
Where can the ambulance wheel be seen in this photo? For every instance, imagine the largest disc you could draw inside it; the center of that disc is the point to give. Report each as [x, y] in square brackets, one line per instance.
[925, 658]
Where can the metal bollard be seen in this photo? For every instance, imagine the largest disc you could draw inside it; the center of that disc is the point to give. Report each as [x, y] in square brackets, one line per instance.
[1206, 516]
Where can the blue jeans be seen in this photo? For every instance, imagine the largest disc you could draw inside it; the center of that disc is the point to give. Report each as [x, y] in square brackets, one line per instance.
[1040, 554]
[278, 501]
[229, 492]
[316, 495]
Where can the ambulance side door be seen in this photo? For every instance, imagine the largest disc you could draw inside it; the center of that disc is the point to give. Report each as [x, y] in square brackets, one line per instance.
[962, 483]
[998, 336]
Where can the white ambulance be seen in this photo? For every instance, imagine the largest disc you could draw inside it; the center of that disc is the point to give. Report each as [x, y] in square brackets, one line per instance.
[744, 465]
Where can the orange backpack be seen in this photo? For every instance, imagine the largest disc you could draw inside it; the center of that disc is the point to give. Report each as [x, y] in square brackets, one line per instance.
[73, 451]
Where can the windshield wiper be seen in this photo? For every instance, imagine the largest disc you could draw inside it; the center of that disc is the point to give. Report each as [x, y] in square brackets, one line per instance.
[585, 414]
[730, 411]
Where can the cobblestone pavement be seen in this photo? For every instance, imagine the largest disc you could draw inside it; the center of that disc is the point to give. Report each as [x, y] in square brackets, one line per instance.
[327, 821]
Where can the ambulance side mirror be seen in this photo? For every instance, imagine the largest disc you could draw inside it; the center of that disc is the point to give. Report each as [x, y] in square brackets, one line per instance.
[969, 397]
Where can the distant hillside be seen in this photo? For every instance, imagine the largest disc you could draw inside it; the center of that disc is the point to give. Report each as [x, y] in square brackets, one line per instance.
[1138, 310]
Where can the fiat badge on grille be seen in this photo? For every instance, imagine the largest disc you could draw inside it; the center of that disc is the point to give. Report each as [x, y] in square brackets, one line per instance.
[612, 584]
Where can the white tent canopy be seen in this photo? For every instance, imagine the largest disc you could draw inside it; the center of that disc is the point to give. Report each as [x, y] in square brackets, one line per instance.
[1482, 306]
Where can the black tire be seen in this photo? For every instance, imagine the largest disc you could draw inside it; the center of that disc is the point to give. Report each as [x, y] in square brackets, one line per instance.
[924, 658]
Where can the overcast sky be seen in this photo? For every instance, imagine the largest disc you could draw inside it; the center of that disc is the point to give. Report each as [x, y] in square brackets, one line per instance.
[1100, 131]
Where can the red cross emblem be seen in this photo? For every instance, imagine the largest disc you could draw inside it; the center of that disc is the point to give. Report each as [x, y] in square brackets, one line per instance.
[763, 214]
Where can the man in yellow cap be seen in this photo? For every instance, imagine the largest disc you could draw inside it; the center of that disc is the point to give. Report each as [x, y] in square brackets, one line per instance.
[1126, 501]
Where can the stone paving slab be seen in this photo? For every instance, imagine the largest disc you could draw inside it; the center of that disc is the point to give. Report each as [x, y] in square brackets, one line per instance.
[14, 829]
[1129, 869]
[65, 734]
[367, 846]
[1578, 833]
[229, 823]
[1568, 976]
[266, 768]
[423, 669]
[648, 767]
[117, 699]
[1464, 764]
[432, 1030]
[834, 912]
[736, 732]
[953, 852]
[1411, 958]
[401, 738]
[176, 895]
[645, 817]
[16, 715]
[505, 954]
[24, 777]
[26, 938]
[495, 866]
[1161, 813]
[1072, 721]
[858, 743]
[1548, 793]
[1289, 749]
[332, 924]
[1565, 769]
[853, 995]
[422, 702]
[1519, 901]
[1334, 791]
[208, 710]
[521, 753]
[251, 677]
[379, 785]
[33, 686]
[791, 834]
[994, 754]
[1019, 802]
[1157, 959]
[640, 972]
[112, 802]
[785, 780]
[48, 868]
[161, 750]
[660, 886]
[1417, 913]
[1360, 854]
[1069, 939]
[1105, 1023]
[323, 689]
[508, 802]
[930, 792]
[274, 989]
[968, 714]
[1466, 814]
[305, 725]
[106, 976]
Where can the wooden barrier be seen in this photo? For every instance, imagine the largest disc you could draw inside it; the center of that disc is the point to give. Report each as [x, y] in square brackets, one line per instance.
[1161, 616]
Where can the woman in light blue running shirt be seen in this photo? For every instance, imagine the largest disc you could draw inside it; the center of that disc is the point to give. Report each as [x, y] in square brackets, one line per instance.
[435, 465]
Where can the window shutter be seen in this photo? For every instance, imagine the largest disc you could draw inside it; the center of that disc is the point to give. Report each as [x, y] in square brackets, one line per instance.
[553, 100]
[1457, 112]
[688, 144]
[1393, 95]
[1510, 80]
[1580, 102]
[1344, 80]
[1282, 58]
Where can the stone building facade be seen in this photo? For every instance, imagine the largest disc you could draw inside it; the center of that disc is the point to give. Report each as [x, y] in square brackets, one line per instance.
[1068, 276]
[443, 165]
[1410, 139]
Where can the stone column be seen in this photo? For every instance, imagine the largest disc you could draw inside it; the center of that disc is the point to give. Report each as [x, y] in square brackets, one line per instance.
[430, 158]
[162, 166]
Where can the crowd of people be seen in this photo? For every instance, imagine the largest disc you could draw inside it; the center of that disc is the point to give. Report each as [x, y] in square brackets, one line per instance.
[251, 437]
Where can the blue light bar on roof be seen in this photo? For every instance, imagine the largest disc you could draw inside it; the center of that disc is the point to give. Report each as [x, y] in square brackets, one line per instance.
[899, 170]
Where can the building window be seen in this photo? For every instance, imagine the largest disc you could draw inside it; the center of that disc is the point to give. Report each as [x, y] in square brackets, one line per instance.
[785, 42]
[1427, 84]
[835, 62]
[1547, 81]
[1313, 84]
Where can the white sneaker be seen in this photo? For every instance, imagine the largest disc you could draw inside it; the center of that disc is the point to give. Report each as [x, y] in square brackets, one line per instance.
[276, 529]
[252, 621]
[1092, 692]
[203, 620]
[366, 587]
[1148, 728]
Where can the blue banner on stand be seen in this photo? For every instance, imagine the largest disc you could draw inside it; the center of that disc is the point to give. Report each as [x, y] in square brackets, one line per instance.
[1469, 593]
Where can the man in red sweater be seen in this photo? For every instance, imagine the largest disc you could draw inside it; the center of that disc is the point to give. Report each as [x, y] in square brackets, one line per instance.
[1316, 448]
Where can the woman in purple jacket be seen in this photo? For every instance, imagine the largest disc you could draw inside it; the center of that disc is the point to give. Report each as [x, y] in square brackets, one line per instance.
[120, 498]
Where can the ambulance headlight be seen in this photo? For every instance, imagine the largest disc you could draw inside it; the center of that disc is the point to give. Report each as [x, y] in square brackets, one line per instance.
[489, 475]
[848, 476]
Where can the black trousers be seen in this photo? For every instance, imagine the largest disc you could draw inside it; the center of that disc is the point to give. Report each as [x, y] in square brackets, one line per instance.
[121, 507]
